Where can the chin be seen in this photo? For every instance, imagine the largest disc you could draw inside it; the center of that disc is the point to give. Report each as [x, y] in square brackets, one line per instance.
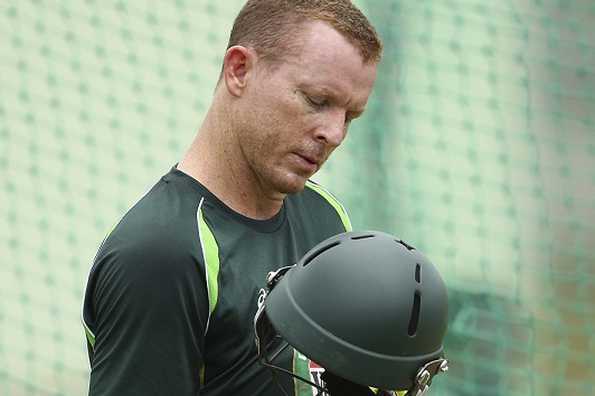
[291, 184]
[293, 188]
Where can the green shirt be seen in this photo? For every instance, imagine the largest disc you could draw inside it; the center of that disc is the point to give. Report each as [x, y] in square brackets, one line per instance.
[172, 292]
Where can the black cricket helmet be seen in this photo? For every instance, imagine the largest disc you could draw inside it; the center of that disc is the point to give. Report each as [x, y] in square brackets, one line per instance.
[366, 306]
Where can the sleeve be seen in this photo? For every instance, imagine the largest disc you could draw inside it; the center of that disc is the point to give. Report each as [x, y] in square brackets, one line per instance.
[150, 310]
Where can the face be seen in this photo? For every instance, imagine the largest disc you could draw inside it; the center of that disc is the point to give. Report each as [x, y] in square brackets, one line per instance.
[294, 116]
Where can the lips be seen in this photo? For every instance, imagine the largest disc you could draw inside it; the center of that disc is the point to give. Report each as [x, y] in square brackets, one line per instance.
[310, 158]
[308, 162]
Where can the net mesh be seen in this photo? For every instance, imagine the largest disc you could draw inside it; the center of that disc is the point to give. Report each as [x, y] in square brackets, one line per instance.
[478, 148]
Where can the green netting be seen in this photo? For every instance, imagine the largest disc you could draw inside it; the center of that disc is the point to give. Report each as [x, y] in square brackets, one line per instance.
[478, 148]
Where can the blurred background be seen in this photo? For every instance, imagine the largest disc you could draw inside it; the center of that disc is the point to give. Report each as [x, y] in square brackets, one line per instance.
[478, 148]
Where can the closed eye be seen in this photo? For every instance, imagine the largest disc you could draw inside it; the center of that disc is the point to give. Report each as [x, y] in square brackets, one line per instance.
[316, 102]
[322, 102]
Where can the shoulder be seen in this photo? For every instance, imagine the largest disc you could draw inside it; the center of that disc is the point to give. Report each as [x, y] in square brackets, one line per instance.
[151, 260]
[160, 225]
[321, 203]
[156, 244]
[148, 265]
[331, 200]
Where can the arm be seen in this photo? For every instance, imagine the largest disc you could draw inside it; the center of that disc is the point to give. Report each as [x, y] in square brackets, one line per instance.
[150, 307]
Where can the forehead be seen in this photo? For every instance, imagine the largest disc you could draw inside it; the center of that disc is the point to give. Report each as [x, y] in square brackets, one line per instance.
[325, 59]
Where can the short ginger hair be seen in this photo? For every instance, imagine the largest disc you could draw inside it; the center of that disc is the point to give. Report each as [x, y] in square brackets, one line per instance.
[267, 26]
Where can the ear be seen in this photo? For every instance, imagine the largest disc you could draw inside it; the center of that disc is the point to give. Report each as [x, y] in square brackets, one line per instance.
[238, 66]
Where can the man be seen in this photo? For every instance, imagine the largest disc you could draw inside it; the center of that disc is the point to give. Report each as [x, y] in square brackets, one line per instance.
[170, 300]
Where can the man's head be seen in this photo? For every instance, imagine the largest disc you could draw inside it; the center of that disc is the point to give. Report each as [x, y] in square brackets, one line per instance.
[295, 74]
[268, 26]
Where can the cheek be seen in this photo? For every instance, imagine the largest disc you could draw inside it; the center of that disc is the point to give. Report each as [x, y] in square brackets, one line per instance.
[284, 123]
[279, 123]
[264, 140]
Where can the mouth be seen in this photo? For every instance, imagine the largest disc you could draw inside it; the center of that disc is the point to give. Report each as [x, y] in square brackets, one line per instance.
[310, 158]
[308, 162]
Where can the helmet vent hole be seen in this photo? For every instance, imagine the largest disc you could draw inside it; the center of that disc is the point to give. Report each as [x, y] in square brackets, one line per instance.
[361, 237]
[414, 319]
[418, 273]
[409, 247]
[320, 251]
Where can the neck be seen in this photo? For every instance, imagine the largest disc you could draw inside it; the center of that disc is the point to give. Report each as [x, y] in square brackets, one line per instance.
[216, 160]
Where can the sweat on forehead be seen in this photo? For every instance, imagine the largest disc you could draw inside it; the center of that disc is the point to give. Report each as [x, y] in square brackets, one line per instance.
[270, 26]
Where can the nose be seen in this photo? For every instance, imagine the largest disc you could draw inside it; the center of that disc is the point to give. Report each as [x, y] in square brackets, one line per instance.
[332, 130]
